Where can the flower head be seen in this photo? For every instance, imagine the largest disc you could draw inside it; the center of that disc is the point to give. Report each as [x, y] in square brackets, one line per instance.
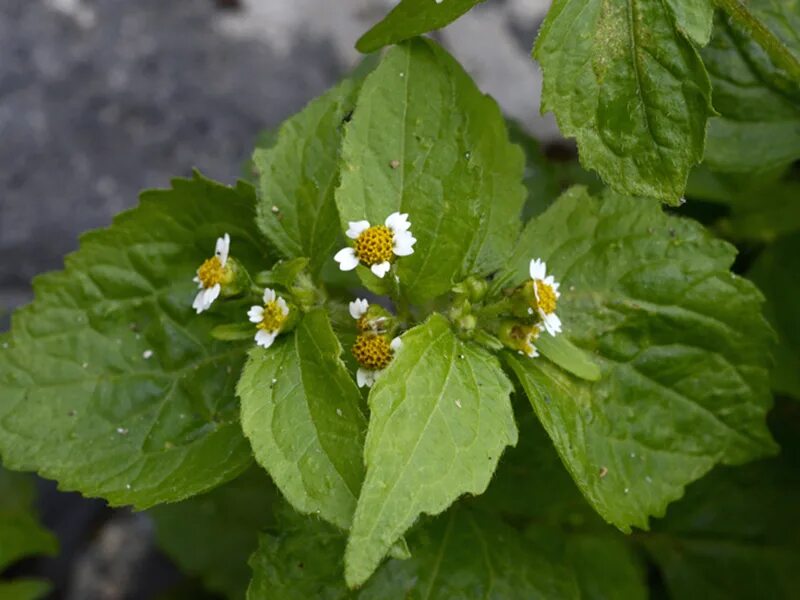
[269, 318]
[212, 275]
[544, 297]
[373, 319]
[374, 353]
[520, 337]
[376, 245]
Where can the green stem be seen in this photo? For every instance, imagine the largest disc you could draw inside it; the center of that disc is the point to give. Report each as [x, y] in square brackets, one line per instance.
[772, 45]
[495, 309]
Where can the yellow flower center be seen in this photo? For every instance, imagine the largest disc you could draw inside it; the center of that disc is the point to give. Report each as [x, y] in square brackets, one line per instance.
[372, 351]
[547, 297]
[211, 272]
[375, 245]
[273, 318]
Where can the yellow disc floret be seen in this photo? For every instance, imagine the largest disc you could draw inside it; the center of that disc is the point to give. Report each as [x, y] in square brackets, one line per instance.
[211, 272]
[273, 318]
[375, 245]
[543, 296]
[372, 352]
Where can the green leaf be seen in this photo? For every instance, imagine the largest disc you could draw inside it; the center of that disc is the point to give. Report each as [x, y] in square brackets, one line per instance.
[681, 343]
[297, 177]
[735, 534]
[758, 127]
[423, 140]
[567, 355]
[111, 384]
[630, 88]
[694, 18]
[301, 411]
[440, 418]
[24, 589]
[776, 274]
[212, 536]
[283, 273]
[411, 18]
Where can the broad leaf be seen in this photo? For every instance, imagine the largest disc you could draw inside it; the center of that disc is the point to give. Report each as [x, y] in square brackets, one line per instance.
[735, 533]
[758, 126]
[424, 140]
[301, 411]
[681, 343]
[776, 274]
[411, 18]
[297, 176]
[630, 88]
[440, 418]
[695, 18]
[212, 536]
[111, 384]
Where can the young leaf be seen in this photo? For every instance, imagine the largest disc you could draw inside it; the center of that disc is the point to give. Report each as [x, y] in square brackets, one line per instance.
[212, 536]
[301, 411]
[681, 343]
[297, 176]
[559, 350]
[411, 18]
[694, 18]
[630, 88]
[423, 140]
[758, 126]
[110, 383]
[440, 418]
[776, 274]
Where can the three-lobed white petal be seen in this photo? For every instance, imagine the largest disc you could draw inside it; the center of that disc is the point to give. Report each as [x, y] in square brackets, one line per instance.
[538, 269]
[365, 377]
[205, 298]
[398, 222]
[404, 243]
[223, 248]
[347, 259]
[265, 338]
[256, 314]
[358, 308]
[381, 269]
[356, 228]
[269, 295]
[551, 322]
[282, 305]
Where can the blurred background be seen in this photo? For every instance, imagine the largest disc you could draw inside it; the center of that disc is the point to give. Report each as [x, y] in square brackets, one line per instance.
[102, 98]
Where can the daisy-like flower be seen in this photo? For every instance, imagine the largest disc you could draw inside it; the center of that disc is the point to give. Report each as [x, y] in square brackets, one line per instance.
[545, 296]
[377, 245]
[212, 274]
[373, 353]
[269, 318]
[375, 323]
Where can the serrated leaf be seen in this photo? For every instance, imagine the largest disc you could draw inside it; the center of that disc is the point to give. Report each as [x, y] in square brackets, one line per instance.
[411, 18]
[213, 535]
[681, 342]
[301, 411]
[424, 140]
[440, 418]
[758, 127]
[735, 533]
[694, 18]
[776, 274]
[297, 176]
[630, 88]
[111, 384]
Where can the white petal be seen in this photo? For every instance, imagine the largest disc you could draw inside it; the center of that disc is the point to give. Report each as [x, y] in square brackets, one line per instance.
[381, 268]
[396, 344]
[536, 289]
[265, 338]
[358, 308]
[347, 259]
[356, 228]
[255, 314]
[365, 377]
[223, 248]
[198, 303]
[532, 352]
[398, 222]
[551, 323]
[282, 305]
[538, 269]
[269, 295]
[211, 294]
[404, 243]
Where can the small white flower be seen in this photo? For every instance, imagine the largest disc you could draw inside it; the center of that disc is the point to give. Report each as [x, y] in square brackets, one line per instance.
[545, 289]
[376, 246]
[358, 308]
[269, 318]
[211, 275]
[367, 377]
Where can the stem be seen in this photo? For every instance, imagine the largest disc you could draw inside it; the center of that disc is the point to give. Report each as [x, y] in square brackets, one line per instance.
[774, 47]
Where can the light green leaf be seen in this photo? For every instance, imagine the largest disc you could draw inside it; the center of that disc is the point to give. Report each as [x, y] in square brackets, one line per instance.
[411, 18]
[681, 343]
[735, 534]
[423, 140]
[776, 274]
[694, 18]
[630, 88]
[111, 384]
[297, 176]
[567, 355]
[440, 418]
[301, 411]
[758, 127]
[212, 536]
